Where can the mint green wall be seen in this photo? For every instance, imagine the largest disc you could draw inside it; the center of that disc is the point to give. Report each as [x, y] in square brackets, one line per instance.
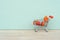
[19, 14]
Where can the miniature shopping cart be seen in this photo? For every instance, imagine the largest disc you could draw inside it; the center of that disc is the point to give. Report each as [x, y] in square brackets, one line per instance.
[42, 24]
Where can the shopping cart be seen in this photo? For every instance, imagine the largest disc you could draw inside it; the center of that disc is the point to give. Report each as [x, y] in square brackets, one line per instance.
[38, 24]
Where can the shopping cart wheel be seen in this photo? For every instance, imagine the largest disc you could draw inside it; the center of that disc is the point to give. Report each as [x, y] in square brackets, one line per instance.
[36, 30]
[46, 30]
